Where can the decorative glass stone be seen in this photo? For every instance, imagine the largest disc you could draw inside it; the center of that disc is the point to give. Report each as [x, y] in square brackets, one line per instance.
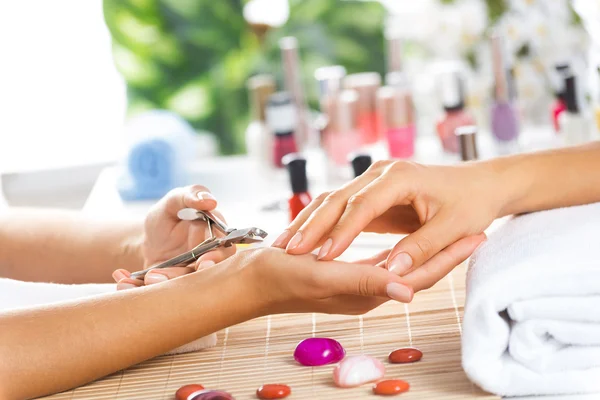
[319, 351]
[390, 387]
[184, 392]
[210, 395]
[405, 355]
[273, 391]
[358, 370]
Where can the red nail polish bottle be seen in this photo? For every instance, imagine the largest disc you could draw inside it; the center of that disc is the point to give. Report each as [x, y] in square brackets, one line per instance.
[296, 166]
[282, 120]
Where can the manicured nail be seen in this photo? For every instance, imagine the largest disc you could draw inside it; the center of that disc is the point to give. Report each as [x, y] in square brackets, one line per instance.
[118, 275]
[400, 263]
[399, 292]
[325, 249]
[295, 241]
[205, 264]
[206, 196]
[125, 286]
[154, 277]
[281, 239]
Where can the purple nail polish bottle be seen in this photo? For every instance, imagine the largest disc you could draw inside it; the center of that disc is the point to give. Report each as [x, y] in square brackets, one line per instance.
[504, 118]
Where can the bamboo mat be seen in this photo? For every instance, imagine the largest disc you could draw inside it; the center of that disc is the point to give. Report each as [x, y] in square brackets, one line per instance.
[260, 351]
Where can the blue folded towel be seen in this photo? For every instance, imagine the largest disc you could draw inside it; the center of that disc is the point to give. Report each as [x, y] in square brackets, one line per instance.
[159, 153]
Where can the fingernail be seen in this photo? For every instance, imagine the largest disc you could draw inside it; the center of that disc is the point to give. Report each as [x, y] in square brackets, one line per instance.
[399, 292]
[205, 264]
[295, 241]
[400, 264]
[125, 286]
[281, 239]
[118, 275]
[325, 248]
[154, 277]
[206, 196]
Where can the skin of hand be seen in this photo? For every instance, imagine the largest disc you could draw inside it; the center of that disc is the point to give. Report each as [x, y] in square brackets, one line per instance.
[166, 236]
[438, 206]
[89, 338]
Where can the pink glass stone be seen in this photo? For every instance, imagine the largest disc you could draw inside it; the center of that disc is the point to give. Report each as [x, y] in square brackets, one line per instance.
[319, 351]
[358, 370]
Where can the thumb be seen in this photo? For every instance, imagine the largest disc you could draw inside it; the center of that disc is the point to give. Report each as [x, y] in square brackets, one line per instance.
[418, 247]
[363, 280]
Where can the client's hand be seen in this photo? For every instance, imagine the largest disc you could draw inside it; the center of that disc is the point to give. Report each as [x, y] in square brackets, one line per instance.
[439, 206]
[301, 283]
[166, 236]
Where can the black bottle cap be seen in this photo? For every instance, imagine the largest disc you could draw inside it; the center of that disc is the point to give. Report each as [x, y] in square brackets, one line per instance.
[360, 163]
[296, 166]
[572, 100]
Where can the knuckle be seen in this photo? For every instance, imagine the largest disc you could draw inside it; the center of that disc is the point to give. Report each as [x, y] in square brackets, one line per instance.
[380, 164]
[321, 198]
[197, 188]
[425, 247]
[365, 285]
[361, 202]
[333, 197]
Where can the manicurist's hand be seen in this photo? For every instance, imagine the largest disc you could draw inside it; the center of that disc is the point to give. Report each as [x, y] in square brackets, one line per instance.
[166, 236]
[440, 207]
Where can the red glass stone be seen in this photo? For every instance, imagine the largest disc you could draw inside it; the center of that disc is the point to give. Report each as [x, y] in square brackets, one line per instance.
[390, 387]
[405, 355]
[184, 391]
[273, 391]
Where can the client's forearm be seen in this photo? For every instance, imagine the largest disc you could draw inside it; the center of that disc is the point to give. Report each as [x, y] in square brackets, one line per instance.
[54, 348]
[548, 179]
[66, 247]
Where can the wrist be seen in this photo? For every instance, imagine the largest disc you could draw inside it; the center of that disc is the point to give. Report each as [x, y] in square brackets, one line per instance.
[509, 179]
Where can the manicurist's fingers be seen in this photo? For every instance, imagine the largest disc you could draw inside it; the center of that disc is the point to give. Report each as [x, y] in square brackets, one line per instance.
[284, 238]
[164, 274]
[194, 196]
[443, 262]
[320, 221]
[363, 207]
[418, 247]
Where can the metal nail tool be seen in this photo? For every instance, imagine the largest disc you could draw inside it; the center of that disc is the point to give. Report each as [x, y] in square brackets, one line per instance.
[232, 236]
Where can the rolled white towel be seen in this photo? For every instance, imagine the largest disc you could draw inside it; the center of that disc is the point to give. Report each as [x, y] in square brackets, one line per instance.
[17, 294]
[532, 313]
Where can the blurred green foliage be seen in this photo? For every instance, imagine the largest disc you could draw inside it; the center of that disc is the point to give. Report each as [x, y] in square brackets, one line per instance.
[194, 56]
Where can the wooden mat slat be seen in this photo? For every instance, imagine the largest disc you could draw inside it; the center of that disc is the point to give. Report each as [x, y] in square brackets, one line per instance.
[241, 361]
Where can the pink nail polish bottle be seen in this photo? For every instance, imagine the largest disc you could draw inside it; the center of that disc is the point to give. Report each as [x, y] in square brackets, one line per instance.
[366, 85]
[346, 137]
[281, 119]
[453, 100]
[397, 119]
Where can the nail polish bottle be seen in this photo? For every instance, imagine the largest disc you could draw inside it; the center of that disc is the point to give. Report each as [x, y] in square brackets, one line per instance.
[559, 86]
[575, 126]
[467, 138]
[281, 119]
[293, 85]
[345, 139]
[360, 163]
[259, 139]
[296, 166]
[504, 115]
[453, 102]
[366, 85]
[397, 120]
[329, 80]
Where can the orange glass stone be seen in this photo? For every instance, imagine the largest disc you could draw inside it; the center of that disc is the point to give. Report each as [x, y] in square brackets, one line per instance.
[405, 355]
[273, 391]
[184, 392]
[390, 387]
